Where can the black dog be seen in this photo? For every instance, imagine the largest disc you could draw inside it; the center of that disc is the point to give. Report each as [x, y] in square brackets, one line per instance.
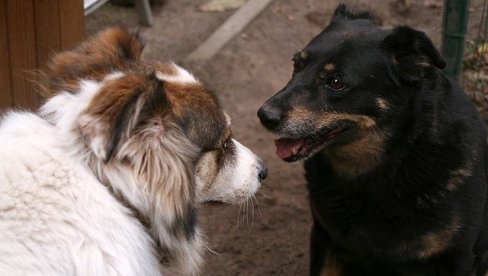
[396, 153]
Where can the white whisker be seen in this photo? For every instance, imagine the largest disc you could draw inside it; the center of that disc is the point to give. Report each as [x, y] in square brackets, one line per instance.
[247, 213]
[238, 215]
[259, 206]
[294, 46]
[210, 250]
[252, 210]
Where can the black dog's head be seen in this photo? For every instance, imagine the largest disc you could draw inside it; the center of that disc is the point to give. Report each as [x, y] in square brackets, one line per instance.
[352, 86]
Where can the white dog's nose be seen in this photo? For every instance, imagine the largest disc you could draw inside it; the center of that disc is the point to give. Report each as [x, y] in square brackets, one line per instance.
[263, 171]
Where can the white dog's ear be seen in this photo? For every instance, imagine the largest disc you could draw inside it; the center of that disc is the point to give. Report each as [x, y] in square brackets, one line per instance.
[108, 51]
[122, 105]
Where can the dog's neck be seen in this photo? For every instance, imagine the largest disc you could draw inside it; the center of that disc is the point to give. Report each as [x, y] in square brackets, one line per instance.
[358, 157]
[156, 200]
[156, 180]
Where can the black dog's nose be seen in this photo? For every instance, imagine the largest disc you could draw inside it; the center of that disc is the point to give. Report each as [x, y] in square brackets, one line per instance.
[263, 171]
[269, 117]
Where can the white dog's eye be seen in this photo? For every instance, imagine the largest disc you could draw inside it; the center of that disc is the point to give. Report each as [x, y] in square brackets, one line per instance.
[157, 122]
[226, 143]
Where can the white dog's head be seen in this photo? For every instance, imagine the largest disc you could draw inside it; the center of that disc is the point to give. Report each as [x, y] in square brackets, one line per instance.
[228, 174]
[152, 133]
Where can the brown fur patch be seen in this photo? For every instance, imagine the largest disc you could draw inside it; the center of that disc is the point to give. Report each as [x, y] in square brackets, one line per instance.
[436, 242]
[458, 176]
[183, 95]
[382, 104]
[109, 101]
[115, 111]
[111, 50]
[329, 67]
[332, 267]
[358, 157]
[199, 107]
[208, 170]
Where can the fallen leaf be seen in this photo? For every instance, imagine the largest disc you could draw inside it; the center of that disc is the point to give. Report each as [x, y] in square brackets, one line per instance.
[434, 4]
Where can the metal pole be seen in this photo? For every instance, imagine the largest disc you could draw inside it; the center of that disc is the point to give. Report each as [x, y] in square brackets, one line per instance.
[143, 8]
[454, 27]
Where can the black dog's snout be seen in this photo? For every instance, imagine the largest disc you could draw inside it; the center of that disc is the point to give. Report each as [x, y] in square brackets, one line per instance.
[263, 171]
[269, 117]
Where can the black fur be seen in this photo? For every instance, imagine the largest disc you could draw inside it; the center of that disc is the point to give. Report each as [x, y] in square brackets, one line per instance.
[186, 224]
[415, 211]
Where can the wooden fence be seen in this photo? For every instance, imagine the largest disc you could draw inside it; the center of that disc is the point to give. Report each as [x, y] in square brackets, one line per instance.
[30, 32]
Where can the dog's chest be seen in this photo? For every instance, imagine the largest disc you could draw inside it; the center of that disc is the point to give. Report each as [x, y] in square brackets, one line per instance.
[372, 222]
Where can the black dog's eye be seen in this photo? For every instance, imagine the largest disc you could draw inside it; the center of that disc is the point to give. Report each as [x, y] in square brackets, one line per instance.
[336, 84]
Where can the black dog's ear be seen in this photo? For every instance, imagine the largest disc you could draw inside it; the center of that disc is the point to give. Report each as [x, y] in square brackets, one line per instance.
[412, 52]
[342, 12]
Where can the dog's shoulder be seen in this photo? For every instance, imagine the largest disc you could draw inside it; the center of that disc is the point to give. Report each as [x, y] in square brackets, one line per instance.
[49, 200]
[17, 124]
[457, 111]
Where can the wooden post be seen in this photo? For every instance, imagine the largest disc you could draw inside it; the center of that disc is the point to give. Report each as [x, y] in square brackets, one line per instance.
[31, 31]
[5, 74]
[454, 27]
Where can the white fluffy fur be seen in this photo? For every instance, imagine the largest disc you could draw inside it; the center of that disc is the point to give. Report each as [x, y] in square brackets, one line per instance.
[180, 76]
[56, 218]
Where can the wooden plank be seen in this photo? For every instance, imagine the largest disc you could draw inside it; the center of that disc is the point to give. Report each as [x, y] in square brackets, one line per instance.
[233, 26]
[47, 29]
[22, 43]
[5, 82]
[72, 23]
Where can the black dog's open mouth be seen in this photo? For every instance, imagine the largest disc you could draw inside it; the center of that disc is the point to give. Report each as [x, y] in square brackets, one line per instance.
[294, 149]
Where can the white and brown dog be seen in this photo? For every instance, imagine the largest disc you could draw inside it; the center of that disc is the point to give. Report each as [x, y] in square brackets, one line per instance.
[107, 177]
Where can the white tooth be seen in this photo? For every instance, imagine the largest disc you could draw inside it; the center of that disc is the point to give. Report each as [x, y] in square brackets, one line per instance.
[294, 151]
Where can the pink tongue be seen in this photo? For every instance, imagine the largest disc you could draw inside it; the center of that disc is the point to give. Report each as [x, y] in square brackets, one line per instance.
[285, 147]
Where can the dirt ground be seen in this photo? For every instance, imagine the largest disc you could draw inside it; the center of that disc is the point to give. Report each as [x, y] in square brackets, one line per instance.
[268, 236]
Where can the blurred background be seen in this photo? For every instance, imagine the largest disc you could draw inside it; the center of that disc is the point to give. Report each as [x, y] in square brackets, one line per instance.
[269, 234]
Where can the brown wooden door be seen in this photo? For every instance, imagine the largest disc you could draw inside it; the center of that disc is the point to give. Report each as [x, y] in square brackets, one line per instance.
[31, 31]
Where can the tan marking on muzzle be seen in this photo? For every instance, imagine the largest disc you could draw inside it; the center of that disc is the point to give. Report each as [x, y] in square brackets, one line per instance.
[351, 159]
[322, 119]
